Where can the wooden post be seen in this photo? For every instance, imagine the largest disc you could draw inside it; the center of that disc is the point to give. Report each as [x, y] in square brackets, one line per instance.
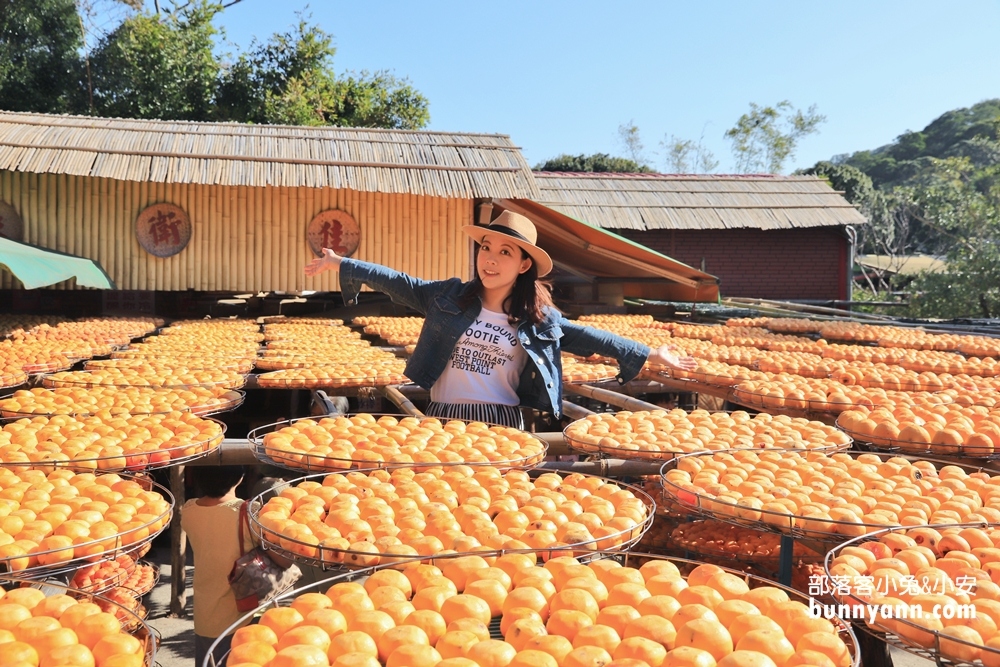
[178, 547]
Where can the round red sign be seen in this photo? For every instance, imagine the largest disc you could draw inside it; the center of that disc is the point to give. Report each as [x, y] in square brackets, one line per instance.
[11, 226]
[336, 230]
[163, 229]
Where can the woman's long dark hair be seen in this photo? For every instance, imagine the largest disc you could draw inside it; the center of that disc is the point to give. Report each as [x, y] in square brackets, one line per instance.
[528, 300]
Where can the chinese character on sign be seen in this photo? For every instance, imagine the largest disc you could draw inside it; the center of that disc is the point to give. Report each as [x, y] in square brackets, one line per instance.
[336, 230]
[163, 230]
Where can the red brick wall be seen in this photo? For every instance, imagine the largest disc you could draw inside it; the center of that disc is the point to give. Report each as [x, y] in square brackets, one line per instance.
[778, 264]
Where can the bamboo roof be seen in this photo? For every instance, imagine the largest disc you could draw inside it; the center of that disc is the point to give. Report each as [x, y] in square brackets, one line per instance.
[670, 201]
[442, 164]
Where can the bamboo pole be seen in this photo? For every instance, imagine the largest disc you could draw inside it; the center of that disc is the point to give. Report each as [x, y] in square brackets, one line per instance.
[135, 251]
[241, 239]
[401, 402]
[58, 212]
[39, 191]
[117, 225]
[189, 259]
[142, 258]
[610, 397]
[313, 205]
[375, 251]
[199, 237]
[283, 249]
[574, 411]
[425, 245]
[31, 223]
[217, 252]
[267, 241]
[72, 215]
[158, 283]
[101, 230]
[256, 233]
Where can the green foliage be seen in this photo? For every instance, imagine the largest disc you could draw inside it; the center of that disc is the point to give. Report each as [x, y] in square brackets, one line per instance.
[598, 162]
[289, 81]
[764, 139]
[686, 156]
[940, 194]
[158, 66]
[39, 59]
[631, 142]
[162, 62]
[973, 132]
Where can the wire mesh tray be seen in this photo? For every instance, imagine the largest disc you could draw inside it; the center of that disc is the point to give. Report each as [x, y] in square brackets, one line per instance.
[50, 367]
[133, 622]
[83, 580]
[825, 530]
[228, 399]
[272, 381]
[609, 447]
[131, 460]
[323, 461]
[144, 587]
[317, 554]
[627, 559]
[772, 403]
[53, 381]
[934, 449]
[13, 379]
[892, 624]
[696, 377]
[240, 367]
[65, 560]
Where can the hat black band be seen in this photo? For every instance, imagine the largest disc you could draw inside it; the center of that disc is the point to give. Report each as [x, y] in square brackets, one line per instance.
[509, 232]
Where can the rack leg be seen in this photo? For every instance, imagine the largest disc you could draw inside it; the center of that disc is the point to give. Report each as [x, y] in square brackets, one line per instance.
[785, 561]
[874, 651]
[178, 547]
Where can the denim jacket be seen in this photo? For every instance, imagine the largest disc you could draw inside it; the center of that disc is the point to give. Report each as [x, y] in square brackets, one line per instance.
[445, 321]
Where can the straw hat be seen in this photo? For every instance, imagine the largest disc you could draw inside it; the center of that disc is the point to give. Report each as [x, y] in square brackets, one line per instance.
[520, 231]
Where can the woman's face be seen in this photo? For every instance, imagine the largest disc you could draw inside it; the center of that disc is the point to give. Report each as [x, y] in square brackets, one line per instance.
[500, 262]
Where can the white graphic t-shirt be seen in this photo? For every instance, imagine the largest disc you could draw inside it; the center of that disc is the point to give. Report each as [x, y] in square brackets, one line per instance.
[485, 366]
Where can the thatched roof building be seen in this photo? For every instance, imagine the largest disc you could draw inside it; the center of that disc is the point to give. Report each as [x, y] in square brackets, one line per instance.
[437, 164]
[784, 237]
[644, 202]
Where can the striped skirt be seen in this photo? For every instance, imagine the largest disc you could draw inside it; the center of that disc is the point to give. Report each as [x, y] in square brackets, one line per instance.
[491, 413]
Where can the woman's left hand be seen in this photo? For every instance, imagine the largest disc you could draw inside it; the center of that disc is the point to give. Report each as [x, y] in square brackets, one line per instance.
[670, 355]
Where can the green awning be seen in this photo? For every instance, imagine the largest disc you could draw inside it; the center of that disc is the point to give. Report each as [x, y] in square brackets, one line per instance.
[39, 267]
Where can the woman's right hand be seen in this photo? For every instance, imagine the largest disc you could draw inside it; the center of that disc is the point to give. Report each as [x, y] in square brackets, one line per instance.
[329, 261]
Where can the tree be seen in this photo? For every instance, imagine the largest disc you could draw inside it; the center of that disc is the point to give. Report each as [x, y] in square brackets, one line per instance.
[631, 141]
[765, 138]
[290, 80]
[39, 55]
[598, 162]
[955, 209]
[158, 66]
[685, 156]
[161, 60]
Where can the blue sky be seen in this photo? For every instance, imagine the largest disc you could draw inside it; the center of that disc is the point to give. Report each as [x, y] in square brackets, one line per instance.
[560, 77]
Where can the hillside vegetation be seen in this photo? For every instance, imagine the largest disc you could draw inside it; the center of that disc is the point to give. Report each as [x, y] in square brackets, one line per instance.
[934, 191]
